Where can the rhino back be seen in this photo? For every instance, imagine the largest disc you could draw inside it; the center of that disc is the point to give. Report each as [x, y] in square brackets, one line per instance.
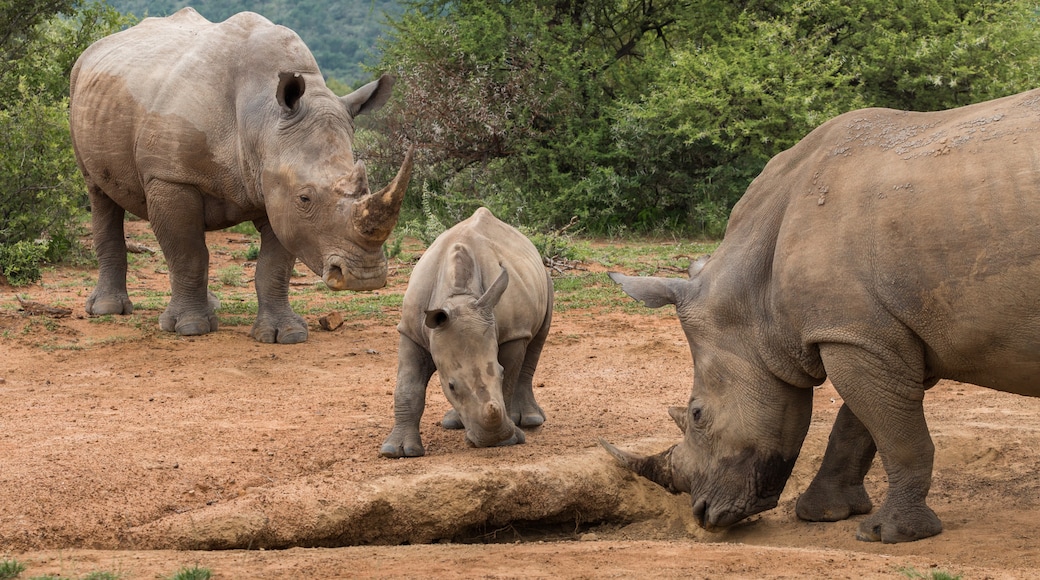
[494, 245]
[911, 231]
[184, 100]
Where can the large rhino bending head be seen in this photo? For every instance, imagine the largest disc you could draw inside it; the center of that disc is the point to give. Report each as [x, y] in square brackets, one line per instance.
[742, 429]
[885, 251]
[198, 126]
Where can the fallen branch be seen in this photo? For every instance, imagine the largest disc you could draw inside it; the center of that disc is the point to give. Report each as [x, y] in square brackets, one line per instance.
[36, 308]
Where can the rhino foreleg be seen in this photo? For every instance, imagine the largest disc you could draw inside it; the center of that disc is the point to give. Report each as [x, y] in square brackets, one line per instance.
[174, 211]
[414, 369]
[109, 296]
[518, 393]
[884, 395]
[275, 319]
[837, 491]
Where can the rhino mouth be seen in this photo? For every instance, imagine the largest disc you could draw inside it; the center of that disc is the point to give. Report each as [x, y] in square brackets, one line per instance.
[340, 273]
[768, 476]
[715, 517]
[512, 437]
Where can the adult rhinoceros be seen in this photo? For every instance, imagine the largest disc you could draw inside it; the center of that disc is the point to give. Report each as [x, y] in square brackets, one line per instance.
[198, 126]
[477, 310]
[885, 251]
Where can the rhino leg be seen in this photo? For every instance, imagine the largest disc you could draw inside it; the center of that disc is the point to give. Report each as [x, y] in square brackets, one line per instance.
[414, 369]
[883, 393]
[109, 296]
[837, 491]
[519, 357]
[176, 213]
[275, 320]
[452, 420]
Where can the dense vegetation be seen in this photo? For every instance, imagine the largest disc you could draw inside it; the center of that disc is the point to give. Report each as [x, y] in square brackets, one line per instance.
[654, 116]
[342, 34]
[42, 195]
[624, 115]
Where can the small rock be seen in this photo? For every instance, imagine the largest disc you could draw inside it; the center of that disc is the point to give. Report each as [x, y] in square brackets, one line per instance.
[331, 321]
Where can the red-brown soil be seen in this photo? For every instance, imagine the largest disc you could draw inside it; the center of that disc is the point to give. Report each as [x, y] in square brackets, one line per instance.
[126, 449]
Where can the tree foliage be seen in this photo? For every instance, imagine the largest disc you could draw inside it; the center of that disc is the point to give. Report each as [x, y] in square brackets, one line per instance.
[654, 116]
[42, 195]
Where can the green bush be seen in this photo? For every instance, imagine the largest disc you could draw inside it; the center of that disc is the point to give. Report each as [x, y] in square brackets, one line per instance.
[20, 262]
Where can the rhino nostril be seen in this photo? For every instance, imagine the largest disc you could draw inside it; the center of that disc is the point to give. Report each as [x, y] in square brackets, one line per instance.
[334, 277]
[700, 512]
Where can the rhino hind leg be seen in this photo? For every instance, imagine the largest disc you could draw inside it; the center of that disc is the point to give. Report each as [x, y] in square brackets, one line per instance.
[452, 420]
[837, 491]
[110, 295]
[883, 392]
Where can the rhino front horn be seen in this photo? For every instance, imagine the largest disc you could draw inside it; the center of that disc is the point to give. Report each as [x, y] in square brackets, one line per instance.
[376, 214]
[656, 468]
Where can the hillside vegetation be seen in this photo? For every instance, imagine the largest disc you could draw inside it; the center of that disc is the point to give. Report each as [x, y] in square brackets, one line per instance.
[341, 34]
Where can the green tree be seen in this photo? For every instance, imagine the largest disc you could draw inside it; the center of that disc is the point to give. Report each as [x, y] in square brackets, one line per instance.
[42, 194]
[654, 116]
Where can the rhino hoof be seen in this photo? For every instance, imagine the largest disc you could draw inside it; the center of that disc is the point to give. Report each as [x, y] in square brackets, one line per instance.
[452, 420]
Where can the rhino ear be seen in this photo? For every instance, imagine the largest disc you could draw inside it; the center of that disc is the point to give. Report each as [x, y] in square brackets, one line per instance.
[369, 97]
[291, 87]
[494, 293]
[651, 291]
[436, 318]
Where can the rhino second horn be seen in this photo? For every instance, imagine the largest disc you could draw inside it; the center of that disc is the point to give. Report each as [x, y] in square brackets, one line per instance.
[678, 414]
[656, 468]
[376, 214]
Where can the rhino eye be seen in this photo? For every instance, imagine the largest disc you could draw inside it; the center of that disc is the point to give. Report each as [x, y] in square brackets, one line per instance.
[695, 414]
[451, 386]
[305, 199]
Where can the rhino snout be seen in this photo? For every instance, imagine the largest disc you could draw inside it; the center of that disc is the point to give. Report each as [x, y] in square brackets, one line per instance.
[337, 275]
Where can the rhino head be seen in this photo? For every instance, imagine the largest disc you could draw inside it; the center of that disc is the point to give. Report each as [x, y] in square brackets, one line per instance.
[318, 199]
[743, 427]
[464, 345]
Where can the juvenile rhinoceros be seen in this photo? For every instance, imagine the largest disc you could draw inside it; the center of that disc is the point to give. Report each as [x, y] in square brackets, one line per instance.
[477, 310]
[198, 126]
[885, 251]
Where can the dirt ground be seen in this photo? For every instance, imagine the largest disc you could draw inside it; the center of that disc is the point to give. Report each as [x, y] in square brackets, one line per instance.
[126, 449]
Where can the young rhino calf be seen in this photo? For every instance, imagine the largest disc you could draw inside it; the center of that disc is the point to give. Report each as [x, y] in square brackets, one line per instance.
[477, 310]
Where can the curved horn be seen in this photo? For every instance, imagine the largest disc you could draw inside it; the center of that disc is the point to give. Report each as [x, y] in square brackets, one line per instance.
[678, 414]
[376, 214]
[656, 468]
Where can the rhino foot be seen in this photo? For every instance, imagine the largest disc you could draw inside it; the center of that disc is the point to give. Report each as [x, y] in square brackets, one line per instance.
[528, 418]
[186, 324]
[402, 442]
[821, 504]
[99, 305]
[891, 526]
[452, 420]
[282, 330]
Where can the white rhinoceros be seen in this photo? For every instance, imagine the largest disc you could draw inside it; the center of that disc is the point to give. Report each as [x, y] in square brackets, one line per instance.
[885, 251]
[477, 310]
[198, 126]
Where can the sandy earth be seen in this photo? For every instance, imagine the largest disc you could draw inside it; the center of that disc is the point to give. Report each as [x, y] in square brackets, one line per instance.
[130, 450]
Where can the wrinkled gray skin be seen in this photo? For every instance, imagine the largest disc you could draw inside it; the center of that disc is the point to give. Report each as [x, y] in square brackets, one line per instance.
[885, 251]
[198, 126]
[477, 310]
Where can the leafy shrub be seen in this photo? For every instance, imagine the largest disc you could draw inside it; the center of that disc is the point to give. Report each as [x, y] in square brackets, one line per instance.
[20, 262]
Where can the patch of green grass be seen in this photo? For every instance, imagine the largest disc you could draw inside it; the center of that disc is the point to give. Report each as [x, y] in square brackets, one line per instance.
[10, 569]
[911, 572]
[651, 258]
[231, 275]
[193, 573]
[244, 228]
